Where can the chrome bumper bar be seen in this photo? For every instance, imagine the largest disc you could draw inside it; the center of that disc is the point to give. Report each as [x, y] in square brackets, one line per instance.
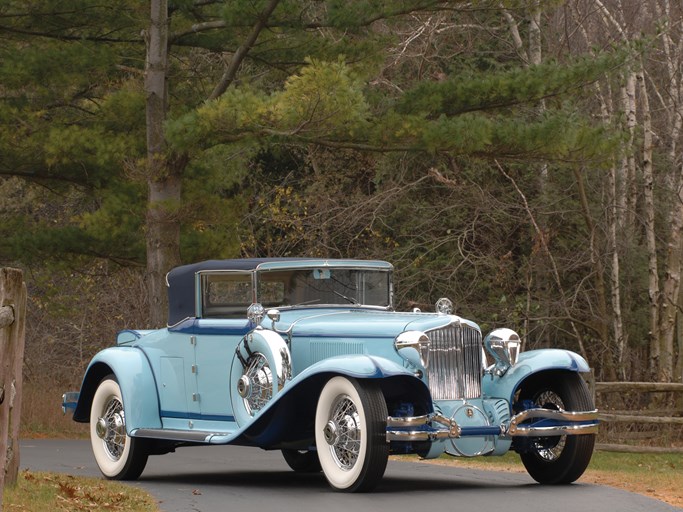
[575, 423]
[548, 422]
[69, 401]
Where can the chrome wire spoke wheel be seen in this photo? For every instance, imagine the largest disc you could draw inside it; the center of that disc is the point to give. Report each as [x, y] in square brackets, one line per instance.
[112, 429]
[256, 384]
[550, 448]
[344, 432]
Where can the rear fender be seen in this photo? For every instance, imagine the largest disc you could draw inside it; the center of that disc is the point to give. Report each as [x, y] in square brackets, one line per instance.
[531, 363]
[138, 386]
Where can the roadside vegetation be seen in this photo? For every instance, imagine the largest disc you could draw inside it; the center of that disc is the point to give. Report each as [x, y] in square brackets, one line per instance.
[503, 156]
[38, 492]
[521, 157]
[657, 476]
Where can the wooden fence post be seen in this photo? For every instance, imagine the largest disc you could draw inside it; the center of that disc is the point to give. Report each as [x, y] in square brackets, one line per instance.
[12, 329]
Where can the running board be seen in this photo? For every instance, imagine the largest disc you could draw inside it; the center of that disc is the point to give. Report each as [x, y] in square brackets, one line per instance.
[188, 436]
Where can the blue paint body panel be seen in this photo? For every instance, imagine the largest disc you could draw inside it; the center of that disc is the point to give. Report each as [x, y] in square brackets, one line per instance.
[138, 386]
[530, 363]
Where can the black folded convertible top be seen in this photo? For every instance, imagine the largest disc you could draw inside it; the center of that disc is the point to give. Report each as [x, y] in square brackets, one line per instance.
[181, 282]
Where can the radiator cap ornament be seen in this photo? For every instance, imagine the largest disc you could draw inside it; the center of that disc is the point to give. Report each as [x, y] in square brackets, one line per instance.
[444, 306]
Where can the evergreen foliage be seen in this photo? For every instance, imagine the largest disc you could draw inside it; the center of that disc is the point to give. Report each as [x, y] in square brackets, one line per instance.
[405, 130]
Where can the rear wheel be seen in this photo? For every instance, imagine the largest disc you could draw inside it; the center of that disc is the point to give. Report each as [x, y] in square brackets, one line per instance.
[350, 434]
[559, 459]
[118, 456]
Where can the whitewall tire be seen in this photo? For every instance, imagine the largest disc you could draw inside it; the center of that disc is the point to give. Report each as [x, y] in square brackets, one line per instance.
[118, 456]
[350, 434]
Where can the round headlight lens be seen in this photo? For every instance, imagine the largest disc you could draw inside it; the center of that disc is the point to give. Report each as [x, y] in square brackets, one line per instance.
[413, 346]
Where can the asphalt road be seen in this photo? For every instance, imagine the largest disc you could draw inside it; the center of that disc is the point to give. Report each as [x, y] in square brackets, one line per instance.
[231, 478]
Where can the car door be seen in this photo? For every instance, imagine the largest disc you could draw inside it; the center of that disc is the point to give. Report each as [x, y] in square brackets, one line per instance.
[225, 298]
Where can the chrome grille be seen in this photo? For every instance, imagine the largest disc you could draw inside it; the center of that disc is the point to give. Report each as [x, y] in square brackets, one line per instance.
[455, 366]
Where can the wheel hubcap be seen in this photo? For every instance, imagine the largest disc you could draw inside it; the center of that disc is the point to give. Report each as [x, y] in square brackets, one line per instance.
[101, 428]
[330, 433]
[343, 433]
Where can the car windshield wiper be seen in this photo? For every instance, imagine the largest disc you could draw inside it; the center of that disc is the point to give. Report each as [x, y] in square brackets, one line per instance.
[312, 301]
[350, 299]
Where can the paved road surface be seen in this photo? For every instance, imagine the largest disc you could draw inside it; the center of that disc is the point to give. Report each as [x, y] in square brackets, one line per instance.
[232, 478]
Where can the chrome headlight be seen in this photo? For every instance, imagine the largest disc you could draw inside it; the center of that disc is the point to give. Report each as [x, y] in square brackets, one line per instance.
[255, 313]
[413, 346]
[504, 345]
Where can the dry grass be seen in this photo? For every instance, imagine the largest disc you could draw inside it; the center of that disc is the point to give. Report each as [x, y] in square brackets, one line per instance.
[41, 414]
[37, 492]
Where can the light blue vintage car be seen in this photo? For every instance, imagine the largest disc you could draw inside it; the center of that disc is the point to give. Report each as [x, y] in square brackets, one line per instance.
[307, 356]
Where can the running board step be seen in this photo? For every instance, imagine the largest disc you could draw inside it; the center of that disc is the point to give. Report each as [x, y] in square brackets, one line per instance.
[189, 436]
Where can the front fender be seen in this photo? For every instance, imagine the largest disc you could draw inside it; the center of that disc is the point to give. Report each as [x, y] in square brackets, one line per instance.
[530, 363]
[357, 366]
[398, 384]
[138, 386]
[288, 416]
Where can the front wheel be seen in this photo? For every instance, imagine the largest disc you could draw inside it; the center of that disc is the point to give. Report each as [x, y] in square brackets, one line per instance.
[559, 459]
[118, 456]
[350, 434]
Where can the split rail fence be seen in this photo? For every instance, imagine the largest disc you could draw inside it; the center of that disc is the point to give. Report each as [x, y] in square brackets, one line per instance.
[668, 415]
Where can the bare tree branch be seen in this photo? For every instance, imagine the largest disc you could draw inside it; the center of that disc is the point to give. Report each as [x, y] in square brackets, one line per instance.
[237, 58]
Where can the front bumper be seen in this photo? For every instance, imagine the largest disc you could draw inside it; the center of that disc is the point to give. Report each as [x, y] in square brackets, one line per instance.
[529, 423]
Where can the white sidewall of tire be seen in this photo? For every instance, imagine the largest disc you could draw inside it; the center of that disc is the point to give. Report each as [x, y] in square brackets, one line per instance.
[111, 468]
[336, 476]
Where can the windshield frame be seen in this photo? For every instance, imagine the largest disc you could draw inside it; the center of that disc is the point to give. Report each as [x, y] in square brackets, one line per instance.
[344, 300]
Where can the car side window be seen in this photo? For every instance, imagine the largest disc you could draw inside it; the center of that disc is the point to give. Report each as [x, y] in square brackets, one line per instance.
[226, 295]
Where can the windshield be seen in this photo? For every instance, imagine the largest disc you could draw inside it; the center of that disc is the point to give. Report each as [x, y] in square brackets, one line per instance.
[324, 286]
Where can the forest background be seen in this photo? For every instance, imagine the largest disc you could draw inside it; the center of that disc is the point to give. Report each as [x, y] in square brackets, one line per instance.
[521, 157]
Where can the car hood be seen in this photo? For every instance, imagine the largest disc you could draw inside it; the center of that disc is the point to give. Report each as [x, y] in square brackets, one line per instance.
[359, 322]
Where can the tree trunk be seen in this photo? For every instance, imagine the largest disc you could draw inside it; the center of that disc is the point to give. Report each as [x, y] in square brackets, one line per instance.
[627, 195]
[601, 322]
[163, 178]
[670, 290]
[650, 235]
[678, 377]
